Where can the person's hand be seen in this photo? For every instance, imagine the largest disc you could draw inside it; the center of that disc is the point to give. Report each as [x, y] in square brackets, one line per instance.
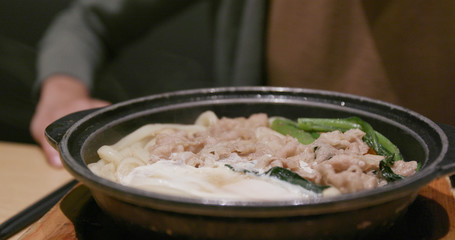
[60, 96]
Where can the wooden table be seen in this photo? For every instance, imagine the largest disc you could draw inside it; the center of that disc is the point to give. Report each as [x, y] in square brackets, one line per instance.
[26, 177]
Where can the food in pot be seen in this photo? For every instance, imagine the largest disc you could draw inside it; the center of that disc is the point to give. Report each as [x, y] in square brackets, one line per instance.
[256, 158]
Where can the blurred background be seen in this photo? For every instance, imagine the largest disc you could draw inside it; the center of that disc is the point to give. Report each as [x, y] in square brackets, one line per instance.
[25, 21]
[22, 24]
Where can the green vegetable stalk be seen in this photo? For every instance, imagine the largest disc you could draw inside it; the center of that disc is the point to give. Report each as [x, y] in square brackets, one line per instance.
[308, 129]
[294, 178]
[288, 176]
[325, 124]
[375, 140]
[288, 127]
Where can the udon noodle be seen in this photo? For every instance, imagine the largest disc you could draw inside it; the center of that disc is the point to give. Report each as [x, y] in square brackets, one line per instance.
[230, 158]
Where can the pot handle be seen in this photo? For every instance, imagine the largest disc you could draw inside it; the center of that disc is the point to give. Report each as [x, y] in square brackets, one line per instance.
[447, 166]
[56, 130]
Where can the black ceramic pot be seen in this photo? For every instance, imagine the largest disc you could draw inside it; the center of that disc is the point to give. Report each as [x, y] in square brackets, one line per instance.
[79, 135]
